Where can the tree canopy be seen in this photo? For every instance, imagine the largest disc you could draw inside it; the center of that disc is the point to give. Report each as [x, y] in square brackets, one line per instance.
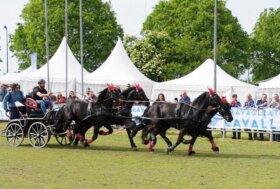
[100, 30]
[190, 25]
[266, 45]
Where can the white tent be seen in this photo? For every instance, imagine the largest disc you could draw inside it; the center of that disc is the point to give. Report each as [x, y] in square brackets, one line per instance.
[57, 70]
[270, 86]
[202, 78]
[119, 70]
[10, 78]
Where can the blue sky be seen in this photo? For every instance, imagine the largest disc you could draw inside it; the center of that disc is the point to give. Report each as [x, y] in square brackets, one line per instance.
[130, 14]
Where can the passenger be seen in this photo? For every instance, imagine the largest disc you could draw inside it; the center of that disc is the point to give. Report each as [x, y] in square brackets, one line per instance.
[41, 96]
[10, 99]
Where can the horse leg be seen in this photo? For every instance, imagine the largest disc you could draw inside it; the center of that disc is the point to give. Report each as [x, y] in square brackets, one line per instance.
[208, 134]
[179, 140]
[94, 136]
[104, 133]
[190, 151]
[152, 141]
[144, 136]
[163, 135]
[132, 144]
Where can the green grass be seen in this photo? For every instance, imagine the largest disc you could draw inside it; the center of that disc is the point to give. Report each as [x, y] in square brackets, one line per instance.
[109, 163]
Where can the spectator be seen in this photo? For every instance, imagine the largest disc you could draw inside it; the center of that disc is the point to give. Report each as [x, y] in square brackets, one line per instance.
[249, 104]
[72, 96]
[41, 96]
[60, 99]
[262, 103]
[161, 97]
[276, 103]
[91, 96]
[10, 99]
[235, 103]
[3, 91]
[184, 98]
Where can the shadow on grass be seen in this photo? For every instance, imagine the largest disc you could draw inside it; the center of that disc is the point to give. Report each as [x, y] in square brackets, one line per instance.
[177, 153]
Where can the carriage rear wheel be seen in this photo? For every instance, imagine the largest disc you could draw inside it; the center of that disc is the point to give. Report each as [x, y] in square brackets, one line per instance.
[66, 138]
[38, 135]
[14, 134]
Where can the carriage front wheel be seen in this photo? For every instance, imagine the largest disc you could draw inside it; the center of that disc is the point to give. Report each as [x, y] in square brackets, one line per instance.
[14, 134]
[66, 138]
[38, 135]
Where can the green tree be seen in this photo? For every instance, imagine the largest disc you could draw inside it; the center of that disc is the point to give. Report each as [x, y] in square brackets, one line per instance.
[266, 45]
[99, 24]
[149, 53]
[190, 24]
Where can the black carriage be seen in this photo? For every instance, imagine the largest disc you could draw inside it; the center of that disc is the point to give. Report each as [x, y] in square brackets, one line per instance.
[34, 125]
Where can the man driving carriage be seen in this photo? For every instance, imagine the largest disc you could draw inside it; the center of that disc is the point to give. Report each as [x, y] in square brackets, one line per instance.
[41, 96]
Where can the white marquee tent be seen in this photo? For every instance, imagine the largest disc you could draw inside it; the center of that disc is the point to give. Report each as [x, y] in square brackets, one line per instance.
[270, 86]
[10, 78]
[202, 78]
[119, 70]
[57, 70]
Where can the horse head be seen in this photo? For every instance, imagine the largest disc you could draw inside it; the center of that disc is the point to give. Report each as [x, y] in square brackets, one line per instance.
[138, 94]
[221, 104]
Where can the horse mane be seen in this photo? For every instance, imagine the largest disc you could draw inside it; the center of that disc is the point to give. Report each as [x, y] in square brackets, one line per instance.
[102, 95]
[127, 91]
[201, 98]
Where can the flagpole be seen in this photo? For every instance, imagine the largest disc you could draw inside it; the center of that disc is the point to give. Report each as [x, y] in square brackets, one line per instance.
[81, 46]
[215, 45]
[47, 43]
[66, 45]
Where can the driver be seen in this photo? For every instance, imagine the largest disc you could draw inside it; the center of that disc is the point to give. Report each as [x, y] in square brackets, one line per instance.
[41, 96]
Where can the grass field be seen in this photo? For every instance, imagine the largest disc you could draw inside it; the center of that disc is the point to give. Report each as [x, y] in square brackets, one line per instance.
[109, 163]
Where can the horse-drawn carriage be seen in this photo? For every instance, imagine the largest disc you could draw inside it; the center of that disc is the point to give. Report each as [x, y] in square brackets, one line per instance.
[34, 125]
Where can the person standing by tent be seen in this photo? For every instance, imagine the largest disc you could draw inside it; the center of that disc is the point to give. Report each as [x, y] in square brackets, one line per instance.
[41, 96]
[262, 103]
[10, 99]
[3, 92]
[235, 103]
[249, 104]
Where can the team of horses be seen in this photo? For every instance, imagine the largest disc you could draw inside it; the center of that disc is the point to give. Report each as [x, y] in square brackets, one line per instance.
[113, 107]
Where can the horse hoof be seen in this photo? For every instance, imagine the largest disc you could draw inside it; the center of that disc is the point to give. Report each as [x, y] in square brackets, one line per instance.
[191, 153]
[86, 144]
[134, 149]
[167, 151]
[216, 149]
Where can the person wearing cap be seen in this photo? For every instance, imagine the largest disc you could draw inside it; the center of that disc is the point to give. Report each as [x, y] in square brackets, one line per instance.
[10, 99]
[41, 96]
[184, 98]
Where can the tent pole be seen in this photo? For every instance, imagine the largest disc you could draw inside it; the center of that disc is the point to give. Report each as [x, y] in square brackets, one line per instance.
[66, 53]
[81, 46]
[47, 43]
[215, 45]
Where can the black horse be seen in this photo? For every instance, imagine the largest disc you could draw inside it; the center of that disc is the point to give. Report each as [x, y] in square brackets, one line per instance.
[186, 118]
[123, 116]
[86, 114]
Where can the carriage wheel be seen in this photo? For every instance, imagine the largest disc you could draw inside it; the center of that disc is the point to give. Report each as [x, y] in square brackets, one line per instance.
[14, 134]
[65, 138]
[38, 135]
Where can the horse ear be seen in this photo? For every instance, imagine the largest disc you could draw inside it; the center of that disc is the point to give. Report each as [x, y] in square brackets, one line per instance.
[109, 86]
[211, 91]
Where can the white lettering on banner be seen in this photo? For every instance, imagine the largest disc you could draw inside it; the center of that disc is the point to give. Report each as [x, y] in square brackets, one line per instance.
[3, 113]
[256, 119]
[138, 111]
